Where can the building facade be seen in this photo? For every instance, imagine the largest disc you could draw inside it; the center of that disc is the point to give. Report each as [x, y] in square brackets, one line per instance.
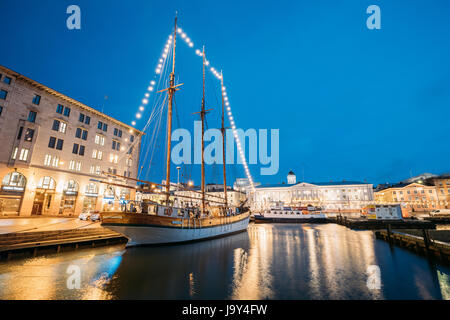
[442, 185]
[56, 152]
[330, 196]
[413, 197]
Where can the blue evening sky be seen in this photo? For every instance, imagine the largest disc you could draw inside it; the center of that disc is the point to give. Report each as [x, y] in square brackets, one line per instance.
[351, 103]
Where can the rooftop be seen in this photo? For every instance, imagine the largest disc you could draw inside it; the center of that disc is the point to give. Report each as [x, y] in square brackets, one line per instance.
[67, 98]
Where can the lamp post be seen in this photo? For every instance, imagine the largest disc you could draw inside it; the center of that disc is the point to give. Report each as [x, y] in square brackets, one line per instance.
[178, 183]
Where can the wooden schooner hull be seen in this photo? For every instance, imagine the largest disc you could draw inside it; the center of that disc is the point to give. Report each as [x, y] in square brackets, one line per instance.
[143, 229]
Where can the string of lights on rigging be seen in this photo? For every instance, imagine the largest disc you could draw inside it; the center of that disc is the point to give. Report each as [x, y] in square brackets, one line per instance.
[216, 73]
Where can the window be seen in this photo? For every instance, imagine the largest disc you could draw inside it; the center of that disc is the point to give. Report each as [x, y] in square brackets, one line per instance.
[130, 150]
[105, 127]
[59, 144]
[97, 170]
[78, 168]
[23, 154]
[113, 158]
[59, 126]
[75, 148]
[99, 139]
[47, 160]
[129, 162]
[14, 154]
[81, 133]
[92, 170]
[114, 145]
[36, 99]
[72, 165]
[87, 120]
[7, 80]
[52, 142]
[19, 135]
[100, 125]
[81, 118]
[62, 127]
[117, 132]
[97, 154]
[55, 162]
[78, 149]
[81, 151]
[32, 116]
[3, 94]
[60, 109]
[66, 111]
[1, 110]
[131, 138]
[29, 134]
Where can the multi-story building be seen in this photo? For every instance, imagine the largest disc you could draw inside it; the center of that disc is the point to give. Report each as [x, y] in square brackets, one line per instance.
[55, 151]
[442, 185]
[345, 196]
[412, 196]
[214, 195]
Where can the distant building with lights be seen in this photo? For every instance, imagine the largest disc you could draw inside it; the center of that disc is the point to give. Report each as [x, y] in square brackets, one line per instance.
[345, 196]
[54, 150]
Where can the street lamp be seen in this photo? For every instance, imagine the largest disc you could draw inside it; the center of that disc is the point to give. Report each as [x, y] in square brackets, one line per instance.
[178, 183]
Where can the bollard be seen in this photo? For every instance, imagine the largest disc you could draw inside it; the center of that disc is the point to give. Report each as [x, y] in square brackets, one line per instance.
[389, 231]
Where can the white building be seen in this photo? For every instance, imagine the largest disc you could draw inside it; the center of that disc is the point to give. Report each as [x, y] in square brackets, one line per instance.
[345, 196]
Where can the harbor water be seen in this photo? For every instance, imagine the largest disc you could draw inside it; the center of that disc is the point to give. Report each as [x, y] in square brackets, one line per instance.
[269, 261]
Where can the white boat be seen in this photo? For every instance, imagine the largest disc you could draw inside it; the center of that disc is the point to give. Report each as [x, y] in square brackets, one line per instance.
[281, 213]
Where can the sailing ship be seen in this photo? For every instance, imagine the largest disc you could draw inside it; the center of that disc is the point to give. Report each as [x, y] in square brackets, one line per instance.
[170, 222]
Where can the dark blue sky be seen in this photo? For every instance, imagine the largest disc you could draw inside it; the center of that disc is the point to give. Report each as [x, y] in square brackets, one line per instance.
[350, 103]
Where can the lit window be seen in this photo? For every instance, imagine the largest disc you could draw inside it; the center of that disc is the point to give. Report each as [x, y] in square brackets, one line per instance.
[23, 154]
[47, 160]
[62, 127]
[72, 165]
[55, 162]
[92, 170]
[14, 154]
[94, 154]
[78, 166]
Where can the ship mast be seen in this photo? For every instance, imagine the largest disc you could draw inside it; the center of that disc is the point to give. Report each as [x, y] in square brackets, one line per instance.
[202, 115]
[171, 91]
[222, 129]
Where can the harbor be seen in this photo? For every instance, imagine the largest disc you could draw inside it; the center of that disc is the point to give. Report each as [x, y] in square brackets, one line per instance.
[233, 156]
[279, 261]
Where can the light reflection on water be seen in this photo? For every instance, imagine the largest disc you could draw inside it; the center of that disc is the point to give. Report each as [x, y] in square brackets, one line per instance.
[269, 261]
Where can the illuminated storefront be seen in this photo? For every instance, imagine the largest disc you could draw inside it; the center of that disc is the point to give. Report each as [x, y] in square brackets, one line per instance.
[69, 198]
[90, 197]
[45, 193]
[11, 193]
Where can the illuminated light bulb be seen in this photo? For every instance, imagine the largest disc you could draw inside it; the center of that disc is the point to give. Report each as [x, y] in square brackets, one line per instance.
[207, 62]
[198, 52]
[150, 88]
[164, 55]
[133, 123]
[191, 44]
[147, 95]
[123, 148]
[223, 88]
[226, 98]
[170, 37]
[227, 103]
[144, 101]
[229, 113]
[158, 71]
[188, 40]
[141, 108]
[183, 35]
[159, 66]
[161, 60]
[152, 82]
[179, 30]
[138, 115]
[126, 140]
[228, 108]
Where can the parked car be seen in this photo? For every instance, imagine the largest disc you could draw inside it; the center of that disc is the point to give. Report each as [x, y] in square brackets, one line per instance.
[84, 216]
[95, 216]
[440, 212]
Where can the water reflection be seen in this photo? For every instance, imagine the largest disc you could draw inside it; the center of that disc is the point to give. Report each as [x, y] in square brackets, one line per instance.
[269, 261]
